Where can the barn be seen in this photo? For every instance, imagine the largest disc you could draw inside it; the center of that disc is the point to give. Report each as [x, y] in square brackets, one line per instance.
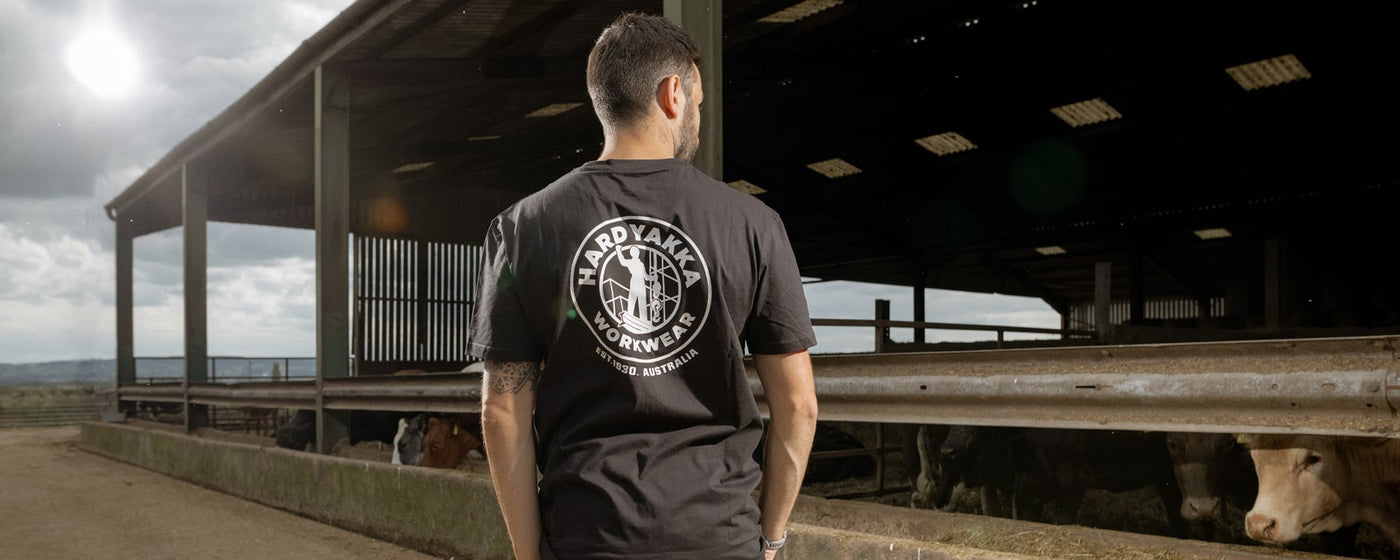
[1199, 189]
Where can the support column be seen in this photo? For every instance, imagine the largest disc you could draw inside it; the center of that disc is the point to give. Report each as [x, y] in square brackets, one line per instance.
[194, 186]
[332, 163]
[1103, 299]
[920, 284]
[1137, 291]
[704, 21]
[1273, 284]
[126, 354]
[882, 333]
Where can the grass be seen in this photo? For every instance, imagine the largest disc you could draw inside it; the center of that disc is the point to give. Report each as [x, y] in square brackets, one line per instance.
[46, 395]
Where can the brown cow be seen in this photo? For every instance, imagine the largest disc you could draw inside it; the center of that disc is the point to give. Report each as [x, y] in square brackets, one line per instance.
[449, 439]
[1211, 469]
[1312, 484]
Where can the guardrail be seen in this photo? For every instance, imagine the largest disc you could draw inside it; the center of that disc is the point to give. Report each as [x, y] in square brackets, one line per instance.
[46, 415]
[1344, 386]
[214, 376]
[881, 326]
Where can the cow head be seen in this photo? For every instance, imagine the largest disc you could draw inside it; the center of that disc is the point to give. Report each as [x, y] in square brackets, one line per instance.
[1299, 482]
[1200, 461]
[447, 442]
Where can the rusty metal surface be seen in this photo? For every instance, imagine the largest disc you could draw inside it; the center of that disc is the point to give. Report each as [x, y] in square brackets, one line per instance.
[1320, 386]
[1323, 386]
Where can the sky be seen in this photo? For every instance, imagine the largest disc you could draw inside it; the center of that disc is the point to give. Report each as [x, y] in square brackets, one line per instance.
[94, 92]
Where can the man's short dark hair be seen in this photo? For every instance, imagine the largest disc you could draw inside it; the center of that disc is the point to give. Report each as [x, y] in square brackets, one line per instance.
[629, 61]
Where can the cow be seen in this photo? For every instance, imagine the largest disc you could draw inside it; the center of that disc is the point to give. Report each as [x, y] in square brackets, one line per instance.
[1314, 484]
[1212, 470]
[365, 425]
[958, 459]
[832, 469]
[408, 443]
[298, 431]
[449, 439]
[1057, 467]
[1045, 473]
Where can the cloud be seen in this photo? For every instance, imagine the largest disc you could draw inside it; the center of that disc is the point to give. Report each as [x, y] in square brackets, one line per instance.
[65, 152]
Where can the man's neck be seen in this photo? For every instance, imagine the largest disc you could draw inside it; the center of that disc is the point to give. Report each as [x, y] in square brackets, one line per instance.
[637, 143]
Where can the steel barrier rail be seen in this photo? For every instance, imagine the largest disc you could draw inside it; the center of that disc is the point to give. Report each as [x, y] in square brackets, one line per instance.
[437, 392]
[887, 323]
[155, 392]
[271, 394]
[1322, 386]
[1348, 386]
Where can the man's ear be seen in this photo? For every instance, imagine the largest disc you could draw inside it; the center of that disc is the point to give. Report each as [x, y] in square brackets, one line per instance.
[670, 97]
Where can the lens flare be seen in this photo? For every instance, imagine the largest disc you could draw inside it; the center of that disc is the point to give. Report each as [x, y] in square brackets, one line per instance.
[103, 61]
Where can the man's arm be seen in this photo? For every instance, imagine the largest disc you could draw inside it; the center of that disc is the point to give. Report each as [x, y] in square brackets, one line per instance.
[792, 403]
[507, 424]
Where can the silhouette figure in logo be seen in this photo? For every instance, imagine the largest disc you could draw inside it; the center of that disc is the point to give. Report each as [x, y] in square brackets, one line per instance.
[637, 287]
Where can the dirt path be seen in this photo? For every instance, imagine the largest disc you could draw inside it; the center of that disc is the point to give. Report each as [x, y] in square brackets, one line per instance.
[57, 501]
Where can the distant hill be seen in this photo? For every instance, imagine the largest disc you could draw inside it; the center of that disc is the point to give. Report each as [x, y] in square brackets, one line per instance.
[94, 372]
[104, 372]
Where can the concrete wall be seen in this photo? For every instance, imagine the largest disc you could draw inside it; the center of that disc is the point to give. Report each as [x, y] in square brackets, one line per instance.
[446, 513]
[454, 513]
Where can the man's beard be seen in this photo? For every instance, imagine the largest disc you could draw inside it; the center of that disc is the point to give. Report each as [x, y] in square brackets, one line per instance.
[689, 142]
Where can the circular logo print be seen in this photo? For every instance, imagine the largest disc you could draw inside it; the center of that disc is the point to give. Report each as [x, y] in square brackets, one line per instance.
[642, 287]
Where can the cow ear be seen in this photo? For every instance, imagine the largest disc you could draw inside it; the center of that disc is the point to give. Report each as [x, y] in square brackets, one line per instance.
[455, 428]
[1244, 439]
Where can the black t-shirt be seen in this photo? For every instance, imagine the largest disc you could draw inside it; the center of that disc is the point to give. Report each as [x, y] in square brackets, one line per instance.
[637, 283]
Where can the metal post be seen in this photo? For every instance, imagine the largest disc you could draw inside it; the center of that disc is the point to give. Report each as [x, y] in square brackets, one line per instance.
[880, 457]
[1137, 290]
[882, 332]
[1273, 283]
[703, 20]
[332, 183]
[920, 281]
[126, 354]
[195, 189]
[1103, 298]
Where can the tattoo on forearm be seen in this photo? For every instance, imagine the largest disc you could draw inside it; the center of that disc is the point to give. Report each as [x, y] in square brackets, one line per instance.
[511, 377]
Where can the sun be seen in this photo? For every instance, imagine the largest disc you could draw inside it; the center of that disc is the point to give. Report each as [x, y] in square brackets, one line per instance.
[103, 61]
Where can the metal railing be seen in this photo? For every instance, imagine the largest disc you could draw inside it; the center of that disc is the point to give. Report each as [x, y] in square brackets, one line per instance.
[213, 369]
[1330, 386]
[1339, 386]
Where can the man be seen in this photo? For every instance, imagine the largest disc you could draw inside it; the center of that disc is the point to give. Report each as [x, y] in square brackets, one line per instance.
[613, 312]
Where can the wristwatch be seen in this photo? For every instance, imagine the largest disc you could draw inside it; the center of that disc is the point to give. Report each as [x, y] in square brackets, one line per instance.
[773, 545]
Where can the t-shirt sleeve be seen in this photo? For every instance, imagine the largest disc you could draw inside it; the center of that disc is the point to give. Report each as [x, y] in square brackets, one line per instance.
[779, 322]
[499, 328]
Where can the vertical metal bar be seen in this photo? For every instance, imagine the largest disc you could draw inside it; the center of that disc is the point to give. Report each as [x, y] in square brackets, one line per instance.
[882, 331]
[421, 285]
[1273, 283]
[920, 283]
[439, 340]
[358, 322]
[332, 184]
[454, 268]
[880, 457]
[126, 353]
[1137, 291]
[703, 20]
[195, 215]
[1103, 298]
[397, 300]
[379, 321]
[1001, 338]
[417, 302]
